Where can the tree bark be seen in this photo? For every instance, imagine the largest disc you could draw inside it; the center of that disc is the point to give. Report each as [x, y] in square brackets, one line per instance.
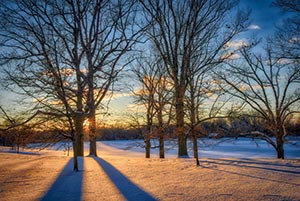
[147, 145]
[182, 146]
[149, 127]
[193, 111]
[161, 133]
[92, 135]
[78, 122]
[280, 147]
[195, 147]
[161, 147]
[194, 133]
[75, 156]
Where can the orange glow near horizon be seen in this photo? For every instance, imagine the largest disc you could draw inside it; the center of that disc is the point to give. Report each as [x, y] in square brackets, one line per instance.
[86, 124]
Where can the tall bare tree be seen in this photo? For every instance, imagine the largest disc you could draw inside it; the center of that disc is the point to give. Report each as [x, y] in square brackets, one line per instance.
[43, 57]
[156, 95]
[269, 86]
[204, 102]
[66, 54]
[163, 105]
[184, 30]
[107, 31]
[146, 74]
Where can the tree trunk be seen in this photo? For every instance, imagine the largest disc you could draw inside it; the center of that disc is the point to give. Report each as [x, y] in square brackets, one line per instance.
[78, 121]
[161, 133]
[75, 156]
[149, 129]
[280, 148]
[161, 146]
[92, 135]
[193, 110]
[182, 146]
[147, 145]
[92, 111]
[195, 147]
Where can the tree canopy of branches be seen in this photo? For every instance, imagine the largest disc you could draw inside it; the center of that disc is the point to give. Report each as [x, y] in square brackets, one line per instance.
[65, 55]
[267, 85]
[155, 94]
[287, 37]
[190, 33]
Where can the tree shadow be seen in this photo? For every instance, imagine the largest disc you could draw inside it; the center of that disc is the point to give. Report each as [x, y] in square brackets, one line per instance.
[259, 162]
[68, 185]
[256, 177]
[129, 190]
[257, 165]
[263, 166]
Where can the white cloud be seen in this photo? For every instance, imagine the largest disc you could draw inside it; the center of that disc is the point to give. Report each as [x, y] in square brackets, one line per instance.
[294, 40]
[254, 27]
[237, 43]
[231, 56]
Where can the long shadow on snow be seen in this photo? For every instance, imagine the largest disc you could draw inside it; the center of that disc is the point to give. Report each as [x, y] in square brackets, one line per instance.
[252, 161]
[254, 176]
[128, 189]
[68, 185]
[262, 166]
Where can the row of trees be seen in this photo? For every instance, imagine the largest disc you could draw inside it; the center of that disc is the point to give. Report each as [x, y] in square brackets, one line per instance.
[193, 74]
[187, 39]
[67, 55]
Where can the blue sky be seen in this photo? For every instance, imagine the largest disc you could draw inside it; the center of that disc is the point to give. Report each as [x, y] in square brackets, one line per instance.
[263, 20]
[264, 15]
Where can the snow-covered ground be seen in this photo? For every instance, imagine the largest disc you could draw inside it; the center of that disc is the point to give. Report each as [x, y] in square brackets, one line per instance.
[216, 148]
[240, 169]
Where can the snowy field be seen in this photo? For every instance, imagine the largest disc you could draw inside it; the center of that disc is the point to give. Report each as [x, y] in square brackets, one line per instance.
[216, 148]
[230, 169]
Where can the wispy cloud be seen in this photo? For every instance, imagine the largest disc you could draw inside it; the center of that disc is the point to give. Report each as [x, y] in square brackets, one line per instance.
[231, 56]
[294, 40]
[254, 27]
[116, 95]
[236, 44]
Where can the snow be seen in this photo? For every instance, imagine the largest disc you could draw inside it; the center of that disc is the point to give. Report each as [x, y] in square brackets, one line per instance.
[216, 148]
[230, 169]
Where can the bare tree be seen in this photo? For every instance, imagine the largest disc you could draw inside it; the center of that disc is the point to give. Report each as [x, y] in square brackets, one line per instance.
[43, 58]
[146, 74]
[184, 30]
[269, 86]
[66, 54]
[107, 31]
[287, 36]
[163, 105]
[156, 95]
[204, 102]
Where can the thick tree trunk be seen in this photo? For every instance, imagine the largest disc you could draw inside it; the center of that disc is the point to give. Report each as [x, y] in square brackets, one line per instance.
[92, 113]
[92, 135]
[182, 145]
[75, 156]
[78, 121]
[147, 145]
[280, 148]
[161, 147]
